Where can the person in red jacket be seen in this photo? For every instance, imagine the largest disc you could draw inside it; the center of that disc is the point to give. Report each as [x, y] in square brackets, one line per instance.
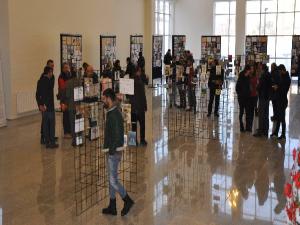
[62, 83]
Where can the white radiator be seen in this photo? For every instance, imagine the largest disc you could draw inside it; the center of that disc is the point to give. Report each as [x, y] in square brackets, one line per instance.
[26, 101]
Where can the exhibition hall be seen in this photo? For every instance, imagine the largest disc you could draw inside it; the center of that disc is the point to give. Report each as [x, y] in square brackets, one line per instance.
[150, 112]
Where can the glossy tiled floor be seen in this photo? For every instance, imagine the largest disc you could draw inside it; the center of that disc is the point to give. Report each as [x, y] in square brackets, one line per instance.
[183, 180]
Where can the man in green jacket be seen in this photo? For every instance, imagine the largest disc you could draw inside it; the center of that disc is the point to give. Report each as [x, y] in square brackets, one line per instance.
[114, 142]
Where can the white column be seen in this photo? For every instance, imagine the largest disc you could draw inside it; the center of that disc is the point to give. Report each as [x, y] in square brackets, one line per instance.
[240, 27]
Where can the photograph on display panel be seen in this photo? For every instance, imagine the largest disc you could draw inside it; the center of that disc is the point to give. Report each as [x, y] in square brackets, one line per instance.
[211, 47]
[157, 45]
[136, 46]
[178, 45]
[108, 53]
[256, 49]
[71, 50]
[295, 64]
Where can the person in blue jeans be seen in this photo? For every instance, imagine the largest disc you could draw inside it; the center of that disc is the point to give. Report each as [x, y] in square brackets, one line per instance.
[114, 142]
[45, 100]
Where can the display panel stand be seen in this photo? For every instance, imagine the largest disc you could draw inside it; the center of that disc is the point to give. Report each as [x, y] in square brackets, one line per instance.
[295, 55]
[157, 45]
[71, 51]
[178, 45]
[136, 46]
[108, 54]
[256, 49]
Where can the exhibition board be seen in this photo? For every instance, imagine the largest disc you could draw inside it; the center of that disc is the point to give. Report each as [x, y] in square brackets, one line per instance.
[178, 45]
[108, 53]
[71, 50]
[295, 55]
[210, 47]
[157, 46]
[256, 49]
[136, 46]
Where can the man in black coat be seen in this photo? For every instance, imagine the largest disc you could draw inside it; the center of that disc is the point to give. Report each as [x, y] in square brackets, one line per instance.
[139, 104]
[141, 61]
[263, 89]
[215, 84]
[243, 92]
[45, 100]
[130, 69]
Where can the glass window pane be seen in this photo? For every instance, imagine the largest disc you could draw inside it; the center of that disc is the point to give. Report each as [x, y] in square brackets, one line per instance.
[232, 46]
[286, 62]
[224, 46]
[286, 5]
[297, 23]
[156, 5]
[221, 24]
[167, 25]
[271, 46]
[269, 6]
[156, 23]
[166, 43]
[161, 24]
[233, 7]
[161, 6]
[253, 7]
[285, 23]
[232, 25]
[167, 7]
[252, 24]
[221, 7]
[298, 5]
[268, 24]
[284, 47]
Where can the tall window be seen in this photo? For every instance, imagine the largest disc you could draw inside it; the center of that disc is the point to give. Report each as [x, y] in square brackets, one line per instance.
[279, 19]
[224, 25]
[164, 17]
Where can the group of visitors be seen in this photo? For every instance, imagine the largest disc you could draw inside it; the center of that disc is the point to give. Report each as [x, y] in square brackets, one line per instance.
[255, 88]
[181, 76]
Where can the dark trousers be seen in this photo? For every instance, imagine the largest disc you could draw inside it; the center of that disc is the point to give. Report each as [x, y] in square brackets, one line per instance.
[66, 122]
[138, 117]
[212, 97]
[42, 127]
[49, 127]
[72, 125]
[281, 118]
[244, 108]
[263, 116]
[250, 109]
[182, 95]
[275, 109]
[192, 97]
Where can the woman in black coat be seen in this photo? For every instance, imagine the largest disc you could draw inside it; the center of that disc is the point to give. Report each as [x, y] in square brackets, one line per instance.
[243, 91]
[282, 89]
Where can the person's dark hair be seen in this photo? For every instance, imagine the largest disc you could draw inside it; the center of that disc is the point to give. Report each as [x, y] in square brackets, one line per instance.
[47, 69]
[109, 93]
[128, 59]
[64, 64]
[85, 65]
[281, 67]
[265, 68]
[49, 61]
[247, 68]
[117, 62]
[140, 54]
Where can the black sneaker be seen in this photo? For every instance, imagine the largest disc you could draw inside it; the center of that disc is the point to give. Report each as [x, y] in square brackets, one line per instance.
[282, 137]
[273, 136]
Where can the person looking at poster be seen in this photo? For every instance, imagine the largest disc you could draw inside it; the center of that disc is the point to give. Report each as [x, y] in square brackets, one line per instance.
[130, 68]
[168, 62]
[139, 105]
[215, 83]
[114, 140]
[141, 62]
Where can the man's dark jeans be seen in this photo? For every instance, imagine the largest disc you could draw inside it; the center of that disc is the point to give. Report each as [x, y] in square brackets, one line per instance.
[49, 127]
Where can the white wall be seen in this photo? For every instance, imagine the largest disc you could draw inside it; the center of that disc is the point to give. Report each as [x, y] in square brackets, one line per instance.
[35, 26]
[194, 18]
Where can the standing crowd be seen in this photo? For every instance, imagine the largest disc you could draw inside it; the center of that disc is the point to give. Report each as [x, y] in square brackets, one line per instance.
[255, 88]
